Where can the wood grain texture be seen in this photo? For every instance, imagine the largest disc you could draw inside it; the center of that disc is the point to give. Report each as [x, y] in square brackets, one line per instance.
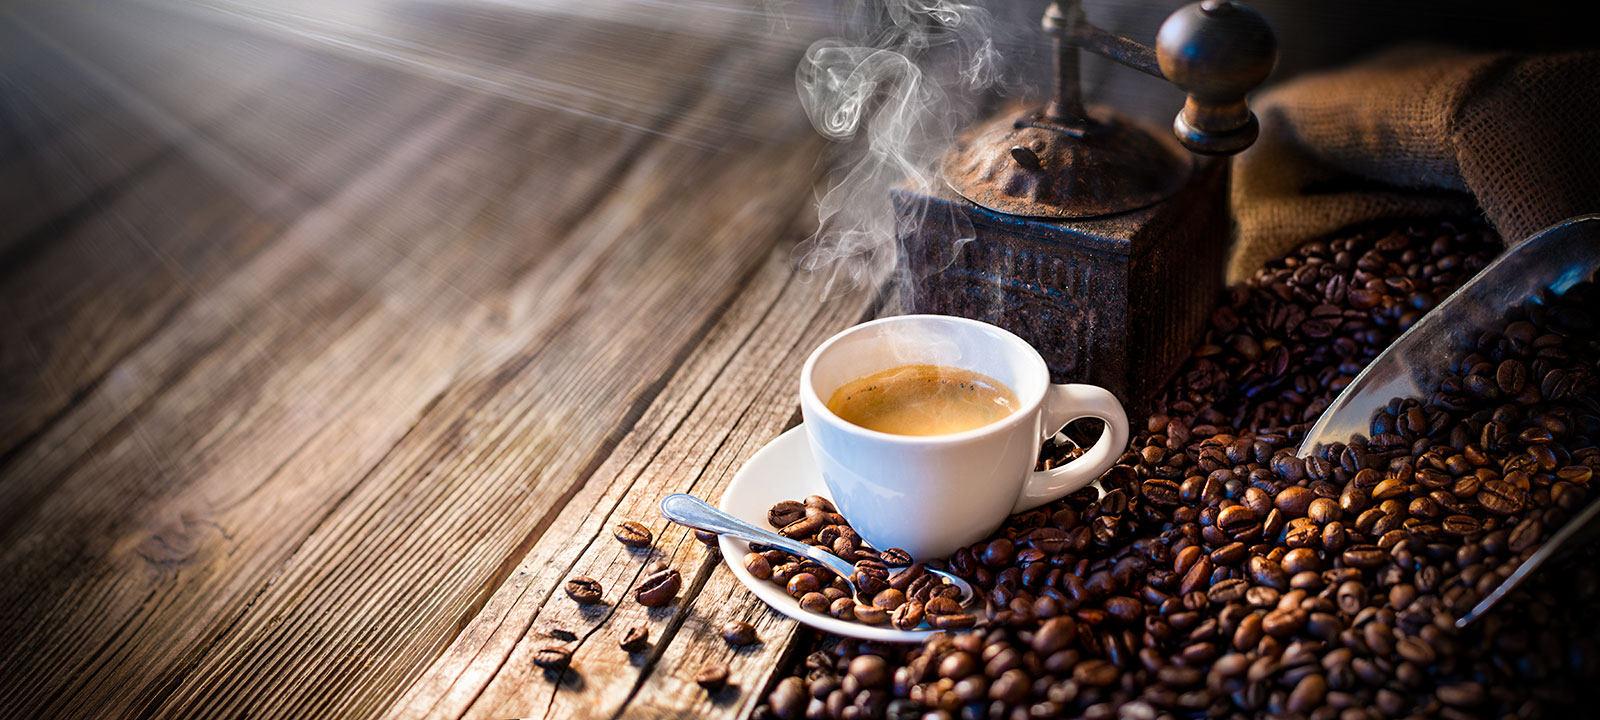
[332, 349]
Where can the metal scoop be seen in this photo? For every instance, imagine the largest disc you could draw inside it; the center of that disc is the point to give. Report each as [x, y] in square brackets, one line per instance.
[1555, 259]
[692, 511]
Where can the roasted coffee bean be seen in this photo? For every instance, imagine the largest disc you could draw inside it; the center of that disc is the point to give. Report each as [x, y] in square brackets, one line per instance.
[1095, 673]
[1162, 491]
[889, 599]
[1294, 501]
[712, 677]
[738, 632]
[871, 614]
[953, 621]
[785, 513]
[1416, 650]
[805, 527]
[1501, 497]
[843, 608]
[1461, 525]
[758, 566]
[802, 583]
[1266, 572]
[1365, 557]
[788, 700]
[636, 639]
[1235, 518]
[633, 534]
[820, 503]
[871, 576]
[1525, 535]
[941, 605]
[895, 557]
[553, 657]
[1308, 694]
[815, 602]
[658, 589]
[907, 616]
[584, 590]
[869, 671]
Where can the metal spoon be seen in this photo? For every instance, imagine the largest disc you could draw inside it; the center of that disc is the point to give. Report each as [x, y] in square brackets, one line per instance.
[692, 511]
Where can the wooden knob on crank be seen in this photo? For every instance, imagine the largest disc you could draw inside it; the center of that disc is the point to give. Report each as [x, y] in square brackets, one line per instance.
[1216, 51]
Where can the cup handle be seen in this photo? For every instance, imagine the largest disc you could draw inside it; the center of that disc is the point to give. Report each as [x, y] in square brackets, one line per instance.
[1063, 404]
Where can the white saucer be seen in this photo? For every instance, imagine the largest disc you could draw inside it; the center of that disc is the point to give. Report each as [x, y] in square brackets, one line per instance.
[784, 470]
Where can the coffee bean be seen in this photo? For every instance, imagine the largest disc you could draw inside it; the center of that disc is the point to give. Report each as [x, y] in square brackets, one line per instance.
[952, 622]
[804, 527]
[1266, 572]
[895, 557]
[1511, 376]
[1161, 491]
[1095, 673]
[758, 566]
[553, 657]
[942, 606]
[907, 616]
[1525, 535]
[1235, 518]
[1227, 591]
[1461, 525]
[1308, 694]
[706, 538]
[712, 677]
[1294, 501]
[738, 633]
[1282, 623]
[998, 552]
[802, 583]
[869, 671]
[815, 602]
[1416, 650]
[871, 614]
[889, 599]
[1352, 596]
[659, 588]
[1324, 510]
[584, 590]
[788, 700]
[1365, 557]
[636, 639]
[633, 534]
[1500, 497]
[820, 503]
[843, 608]
[1125, 609]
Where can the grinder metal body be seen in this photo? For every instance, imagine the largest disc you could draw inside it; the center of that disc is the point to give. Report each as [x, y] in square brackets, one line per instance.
[1099, 242]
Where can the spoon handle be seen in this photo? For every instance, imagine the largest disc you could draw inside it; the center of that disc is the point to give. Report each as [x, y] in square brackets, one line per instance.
[692, 511]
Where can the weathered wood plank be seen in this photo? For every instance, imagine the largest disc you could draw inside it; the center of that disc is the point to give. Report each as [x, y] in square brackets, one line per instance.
[731, 395]
[324, 577]
[100, 287]
[743, 404]
[84, 142]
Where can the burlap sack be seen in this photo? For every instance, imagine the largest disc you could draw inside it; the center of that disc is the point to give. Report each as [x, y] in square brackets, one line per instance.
[1418, 132]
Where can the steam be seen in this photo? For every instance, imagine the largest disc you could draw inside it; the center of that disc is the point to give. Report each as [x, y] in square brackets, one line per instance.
[897, 96]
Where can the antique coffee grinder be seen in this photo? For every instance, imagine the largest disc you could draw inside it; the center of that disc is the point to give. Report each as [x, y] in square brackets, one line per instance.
[1099, 242]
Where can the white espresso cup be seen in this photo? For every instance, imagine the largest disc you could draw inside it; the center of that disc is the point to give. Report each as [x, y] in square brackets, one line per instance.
[932, 494]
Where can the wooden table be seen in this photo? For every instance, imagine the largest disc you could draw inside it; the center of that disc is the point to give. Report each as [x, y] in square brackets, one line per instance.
[337, 336]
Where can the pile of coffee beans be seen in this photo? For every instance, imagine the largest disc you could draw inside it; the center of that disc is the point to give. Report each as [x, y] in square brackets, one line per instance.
[905, 598]
[1221, 576]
